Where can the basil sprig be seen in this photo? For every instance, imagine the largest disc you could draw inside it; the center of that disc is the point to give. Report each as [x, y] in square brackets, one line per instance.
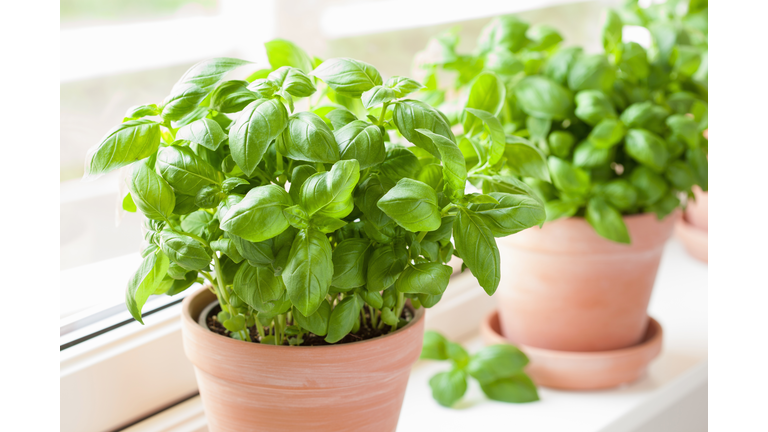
[320, 221]
[596, 136]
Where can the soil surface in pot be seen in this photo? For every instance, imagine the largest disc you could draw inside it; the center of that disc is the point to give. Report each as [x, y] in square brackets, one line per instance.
[311, 339]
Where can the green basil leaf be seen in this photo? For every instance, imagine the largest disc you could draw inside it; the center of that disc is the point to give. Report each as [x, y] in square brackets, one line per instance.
[561, 143]
[377, 96]
[477, 247]
[281, 52]
[664, 206]
[348, 77]
[300, 174]
[647, 148]
[634, 61]
[367, 197]
[607, 133]
[400, 163]
[361, 141]
[259, 123]
[144, 282]
[496, 362]
[543, 37]
[309, 271]
[680, 175]
[448, 387]
[559, 64]
[179, 286]
[650, 185]
[184, 250]
[327, 224]
[340, 117]
[542, 97]
[402, 85]
[487, 94]
[426, 278]
[454, 168]
[330, 193]
[385, 265]
[185, 171]
[409, 115]
[511, 214]
[557, 209]
[591, 72]
[593, 106]
[606, 220]
[350, 258]
[196, 223]
[612, 27]
[588, 155]
[515, 389]
[293, 81]
[151, 193]
[124, 144]
[139, 111]
[685, 128]
[343, 318]
[316, 323]
[434, 346]
[264, 88]
[524, 159]
[645, 115]
[128, 204]
[231, 183]
[195, 85]
[205, 132]
[568, 178]
[259, 253]
[232, 96]
[259, 216]
[496, 132]
[619, 193]
[308, 138]
[258, 287]
[700, 165]
[413, 205]
[506, 32]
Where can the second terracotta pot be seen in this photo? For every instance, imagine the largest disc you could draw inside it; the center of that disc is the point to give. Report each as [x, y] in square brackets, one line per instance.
[248, 386]
[566, 288]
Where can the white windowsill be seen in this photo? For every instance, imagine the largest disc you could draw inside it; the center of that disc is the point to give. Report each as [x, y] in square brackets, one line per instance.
[679, 303]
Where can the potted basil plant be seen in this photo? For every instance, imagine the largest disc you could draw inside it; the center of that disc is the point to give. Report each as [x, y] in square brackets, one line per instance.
[608, 142]
[320, 238]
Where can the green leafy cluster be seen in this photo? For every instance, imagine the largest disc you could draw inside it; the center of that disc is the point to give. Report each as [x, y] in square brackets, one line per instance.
[299, 219]
[594, 135]
[498, 369]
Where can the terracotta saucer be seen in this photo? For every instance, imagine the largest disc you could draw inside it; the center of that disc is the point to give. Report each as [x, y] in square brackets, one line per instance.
[694, 239]
[570, 370]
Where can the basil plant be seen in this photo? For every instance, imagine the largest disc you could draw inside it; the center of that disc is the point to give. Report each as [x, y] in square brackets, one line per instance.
[594, 135]
[313, 197]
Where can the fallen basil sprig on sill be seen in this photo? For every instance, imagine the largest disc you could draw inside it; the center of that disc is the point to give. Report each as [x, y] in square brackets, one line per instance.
[316, 221]
[498, 369]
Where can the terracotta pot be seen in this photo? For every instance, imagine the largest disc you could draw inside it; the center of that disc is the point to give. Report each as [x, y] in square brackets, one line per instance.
[696, 211]
[247, 386]
[583, 370]
[695, 240]
[566, 288]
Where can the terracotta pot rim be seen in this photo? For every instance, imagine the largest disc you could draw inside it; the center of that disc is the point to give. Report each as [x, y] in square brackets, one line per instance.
[687, 225]
[653, 334]
[186, 315]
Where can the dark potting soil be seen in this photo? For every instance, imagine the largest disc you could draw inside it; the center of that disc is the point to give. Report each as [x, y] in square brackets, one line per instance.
[310, 339]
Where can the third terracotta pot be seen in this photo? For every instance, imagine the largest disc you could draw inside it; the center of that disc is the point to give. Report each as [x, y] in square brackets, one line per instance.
[568, 289]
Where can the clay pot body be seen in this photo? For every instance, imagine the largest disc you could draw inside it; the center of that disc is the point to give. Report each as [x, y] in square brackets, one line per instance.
[696, 212]
[568, 289]
[247, 386]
